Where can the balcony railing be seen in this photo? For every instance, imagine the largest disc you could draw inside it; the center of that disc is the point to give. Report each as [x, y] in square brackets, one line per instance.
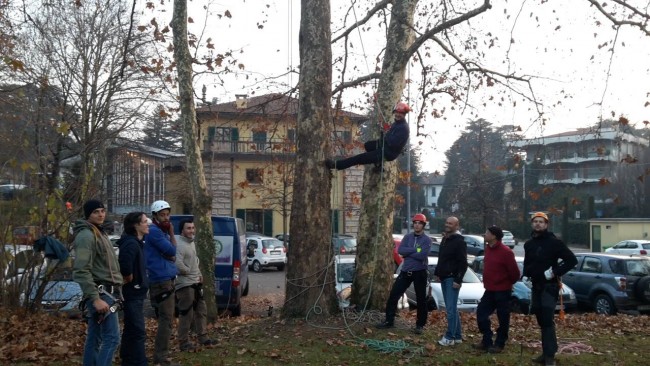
[250, 147]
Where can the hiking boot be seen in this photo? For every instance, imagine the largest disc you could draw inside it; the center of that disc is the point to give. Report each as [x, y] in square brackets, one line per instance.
[384, 325]
[187, 347]
[495, 349]
[418, 329]
[480, 346]
[539, 359]
[208, 342]
[444, 341]
[330, 164]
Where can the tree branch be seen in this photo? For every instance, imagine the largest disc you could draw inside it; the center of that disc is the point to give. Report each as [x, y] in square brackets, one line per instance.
[642, 26]
[380, 5]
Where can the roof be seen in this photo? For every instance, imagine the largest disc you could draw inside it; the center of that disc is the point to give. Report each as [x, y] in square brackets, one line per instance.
[433, 179]
[620, 219]
[268, 104]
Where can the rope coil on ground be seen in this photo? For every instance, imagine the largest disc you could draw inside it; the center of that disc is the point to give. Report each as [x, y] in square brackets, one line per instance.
[565, 347]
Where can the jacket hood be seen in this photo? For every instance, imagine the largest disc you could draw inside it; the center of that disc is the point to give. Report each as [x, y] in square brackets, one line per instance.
[81, 225]
[543, 234]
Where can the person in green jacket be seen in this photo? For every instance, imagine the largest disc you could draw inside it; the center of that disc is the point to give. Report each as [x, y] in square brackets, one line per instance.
[97, 271]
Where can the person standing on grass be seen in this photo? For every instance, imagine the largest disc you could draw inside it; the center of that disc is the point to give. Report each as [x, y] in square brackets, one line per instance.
[136, 285]
[414, 249]
[192, 310]
[97, 272]
[546, 259]
[451, 268]
[500, 273]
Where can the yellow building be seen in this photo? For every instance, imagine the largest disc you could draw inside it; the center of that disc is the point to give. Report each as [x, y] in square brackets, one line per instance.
[605, 232]
[248, 149]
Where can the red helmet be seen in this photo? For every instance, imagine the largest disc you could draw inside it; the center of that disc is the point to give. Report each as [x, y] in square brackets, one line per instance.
[419, 217]
[401, 107]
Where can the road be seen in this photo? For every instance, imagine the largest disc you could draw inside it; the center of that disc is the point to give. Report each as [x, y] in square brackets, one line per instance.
[269, 281]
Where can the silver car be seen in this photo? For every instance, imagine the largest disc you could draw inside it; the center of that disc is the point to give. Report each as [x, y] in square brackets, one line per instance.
[508, 239]
[470, 292]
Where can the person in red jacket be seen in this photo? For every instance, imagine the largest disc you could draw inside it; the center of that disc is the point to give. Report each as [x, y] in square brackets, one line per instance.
[500, 272]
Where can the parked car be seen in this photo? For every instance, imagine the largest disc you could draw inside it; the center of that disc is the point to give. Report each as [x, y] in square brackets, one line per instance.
[344, 244]
[639, 247]
[344, 271]
[611, 282]
[283, 238]
[61, 294]
[521, 294]
[230, 263]
[508, 239]
[265, 251]
[470, 292]
[475, 244]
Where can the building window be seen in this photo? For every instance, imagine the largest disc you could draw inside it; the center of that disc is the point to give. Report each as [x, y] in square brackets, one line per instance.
[259, 138]
[433, 191]
[254, 176]
[291, 135]
[343, 136]
[222, 134]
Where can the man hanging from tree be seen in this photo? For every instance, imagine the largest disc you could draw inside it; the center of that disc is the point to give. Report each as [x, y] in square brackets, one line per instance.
[387, 147]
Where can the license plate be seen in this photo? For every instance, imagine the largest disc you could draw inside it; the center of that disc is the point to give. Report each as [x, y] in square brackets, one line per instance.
[276, 252]
[643, 307]
[559, 307]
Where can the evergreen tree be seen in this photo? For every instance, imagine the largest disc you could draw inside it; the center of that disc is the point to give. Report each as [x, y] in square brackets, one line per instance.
[161, 132]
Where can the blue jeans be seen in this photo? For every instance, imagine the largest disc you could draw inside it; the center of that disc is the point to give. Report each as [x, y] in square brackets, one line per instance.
[102, 338]
[132, 349]
[450, 295]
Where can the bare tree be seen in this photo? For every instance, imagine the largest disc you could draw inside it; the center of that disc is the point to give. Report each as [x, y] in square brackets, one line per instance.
[201, 200]
[98, 67]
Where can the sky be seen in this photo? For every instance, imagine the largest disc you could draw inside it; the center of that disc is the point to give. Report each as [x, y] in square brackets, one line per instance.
[564, 50]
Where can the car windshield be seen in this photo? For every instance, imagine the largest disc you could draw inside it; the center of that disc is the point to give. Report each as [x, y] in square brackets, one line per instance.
[345, 272]
[645, 245]
[272, 243]
[638, 267]
[470, 276]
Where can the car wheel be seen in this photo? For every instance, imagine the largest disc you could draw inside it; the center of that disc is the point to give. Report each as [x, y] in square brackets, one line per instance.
[603, 304]
[642, 289]
[280, 267]
[245, 292]
[257, 266]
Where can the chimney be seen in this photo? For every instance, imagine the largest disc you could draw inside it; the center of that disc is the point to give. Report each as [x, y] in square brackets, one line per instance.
[241, 101]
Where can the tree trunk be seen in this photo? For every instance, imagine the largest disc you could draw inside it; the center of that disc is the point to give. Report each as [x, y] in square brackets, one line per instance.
[310, 283]
[374, 271]
[201, 202]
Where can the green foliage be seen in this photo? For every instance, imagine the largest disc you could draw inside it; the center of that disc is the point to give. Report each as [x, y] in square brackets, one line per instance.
[476, 176]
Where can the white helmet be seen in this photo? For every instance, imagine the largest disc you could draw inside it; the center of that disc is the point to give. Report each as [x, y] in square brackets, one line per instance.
[159, 206]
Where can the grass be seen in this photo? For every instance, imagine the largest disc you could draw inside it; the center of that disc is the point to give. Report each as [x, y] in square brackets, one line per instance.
[251, 340]
[598, 340]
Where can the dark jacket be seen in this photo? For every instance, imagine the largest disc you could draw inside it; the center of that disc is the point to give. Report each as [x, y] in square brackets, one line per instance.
[395, 139]
[543, 251]
[452, 258]
[415, 250]
[132, 262]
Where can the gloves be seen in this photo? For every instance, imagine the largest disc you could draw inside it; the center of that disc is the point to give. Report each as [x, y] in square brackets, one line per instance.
[526, 280]
[549, 273]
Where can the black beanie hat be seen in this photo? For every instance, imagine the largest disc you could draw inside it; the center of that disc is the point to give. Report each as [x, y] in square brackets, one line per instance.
[496, 231]
[90, 206]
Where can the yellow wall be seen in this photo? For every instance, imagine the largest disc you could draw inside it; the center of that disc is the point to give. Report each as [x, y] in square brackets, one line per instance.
[613, 232]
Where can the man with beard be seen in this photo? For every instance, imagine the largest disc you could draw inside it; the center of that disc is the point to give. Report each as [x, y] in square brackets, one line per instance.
[160, 253]
[388, 147]
[546, 259]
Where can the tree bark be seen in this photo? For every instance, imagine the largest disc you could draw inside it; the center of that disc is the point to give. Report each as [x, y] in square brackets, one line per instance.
[309, 272]
[374, 274]
[201, 202]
